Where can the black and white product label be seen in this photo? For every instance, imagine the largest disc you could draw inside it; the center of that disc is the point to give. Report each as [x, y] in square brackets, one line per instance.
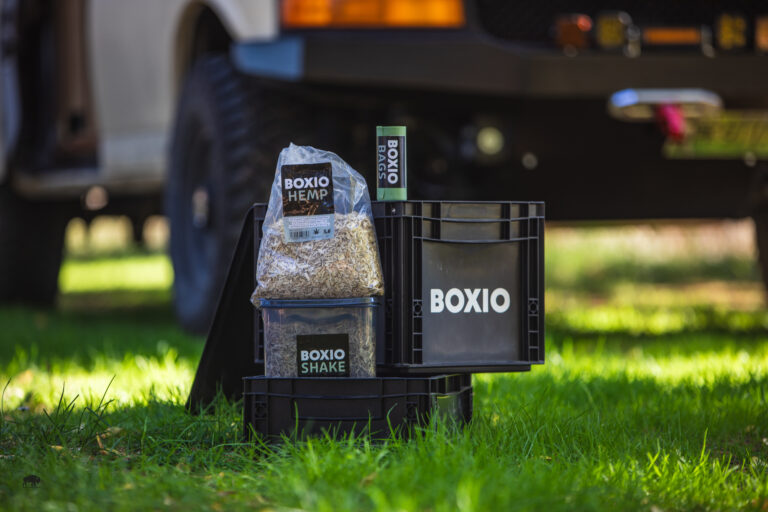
[471, 302]
[391, 161]
[307, 201]
[322, 355]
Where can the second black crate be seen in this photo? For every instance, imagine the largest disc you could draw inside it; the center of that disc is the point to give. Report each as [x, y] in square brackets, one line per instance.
[297, 407]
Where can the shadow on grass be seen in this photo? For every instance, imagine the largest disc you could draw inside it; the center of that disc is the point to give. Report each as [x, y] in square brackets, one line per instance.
[601, 277]
[88, 326]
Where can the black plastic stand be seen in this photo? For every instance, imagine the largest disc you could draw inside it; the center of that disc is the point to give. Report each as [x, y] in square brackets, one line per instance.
[228, 353]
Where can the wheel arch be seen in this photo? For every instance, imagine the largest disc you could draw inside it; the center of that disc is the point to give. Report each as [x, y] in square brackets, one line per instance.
[205, 24]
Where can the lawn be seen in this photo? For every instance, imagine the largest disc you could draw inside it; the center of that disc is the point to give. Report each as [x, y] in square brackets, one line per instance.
[653, 397]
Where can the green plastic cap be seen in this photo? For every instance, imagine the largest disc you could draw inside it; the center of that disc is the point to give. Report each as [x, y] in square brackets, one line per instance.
[392, 131]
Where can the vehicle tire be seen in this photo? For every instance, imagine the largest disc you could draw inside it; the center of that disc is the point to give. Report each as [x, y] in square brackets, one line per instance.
[225, 144]
[31, 247]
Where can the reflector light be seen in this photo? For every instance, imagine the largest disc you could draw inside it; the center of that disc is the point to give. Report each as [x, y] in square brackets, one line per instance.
[761, 33]
[731, 31]
[372, 13]
[572, 32]
[671, 121]
[672, 36]
[611, 30]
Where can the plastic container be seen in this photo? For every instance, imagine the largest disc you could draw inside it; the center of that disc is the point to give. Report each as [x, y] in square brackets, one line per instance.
[274, 407]
[464, 286]
[320, 337]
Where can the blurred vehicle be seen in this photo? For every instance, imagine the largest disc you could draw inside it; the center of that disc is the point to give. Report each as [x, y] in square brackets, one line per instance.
[606, 110]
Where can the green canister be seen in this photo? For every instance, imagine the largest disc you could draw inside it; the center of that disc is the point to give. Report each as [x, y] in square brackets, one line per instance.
[390, 164]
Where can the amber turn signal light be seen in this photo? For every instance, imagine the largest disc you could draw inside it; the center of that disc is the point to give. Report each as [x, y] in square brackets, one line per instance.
[372, 13]
[672, 36]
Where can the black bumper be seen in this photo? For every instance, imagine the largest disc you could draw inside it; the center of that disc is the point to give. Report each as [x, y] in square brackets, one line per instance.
[476, 64]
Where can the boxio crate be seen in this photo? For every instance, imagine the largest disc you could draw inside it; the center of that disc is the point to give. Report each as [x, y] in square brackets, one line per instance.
[464, 286]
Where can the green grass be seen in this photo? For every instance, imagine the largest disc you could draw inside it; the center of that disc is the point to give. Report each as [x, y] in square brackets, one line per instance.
[653, 397]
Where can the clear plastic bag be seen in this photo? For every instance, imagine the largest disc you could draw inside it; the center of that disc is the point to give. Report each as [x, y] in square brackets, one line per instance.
[312, 246]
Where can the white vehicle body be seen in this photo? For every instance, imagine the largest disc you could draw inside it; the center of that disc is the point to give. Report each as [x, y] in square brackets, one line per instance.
[136, 54]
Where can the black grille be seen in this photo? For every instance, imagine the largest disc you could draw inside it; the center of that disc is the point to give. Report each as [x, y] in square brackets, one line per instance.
[531, 21]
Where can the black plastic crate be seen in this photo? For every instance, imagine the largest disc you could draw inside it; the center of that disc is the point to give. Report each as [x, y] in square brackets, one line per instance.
[464, 286]
[300, 407]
